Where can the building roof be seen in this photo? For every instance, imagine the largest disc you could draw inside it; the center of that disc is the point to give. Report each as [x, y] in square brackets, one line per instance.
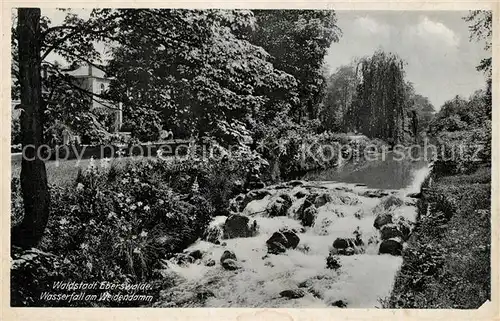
[88, 71]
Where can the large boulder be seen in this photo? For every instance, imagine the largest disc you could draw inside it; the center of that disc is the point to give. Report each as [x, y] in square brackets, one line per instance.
[292, 238]
[230, 265]
[308, 216]
[374, 193]
[182, 259]
[227, 255]
[238, 225]
[282, 240]
[342, 243]
[295, 183]
[391, 201]
[257, 194]
[382, 219]
[391, 246]
[349, 199]
[279, 206]
[300, 194]
[346, 246]
[277, 243]
[254, 195]
[275, 247]
[339, 304]
[390, 231]
[196, 254]
[322, 199]
[293, 294]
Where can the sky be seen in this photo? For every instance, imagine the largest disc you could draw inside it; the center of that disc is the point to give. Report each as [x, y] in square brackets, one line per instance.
[441, 61]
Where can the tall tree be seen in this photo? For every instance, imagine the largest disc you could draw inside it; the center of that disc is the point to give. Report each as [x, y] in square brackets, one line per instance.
[297, 41]
[33, 173]
[32, 42]
[481, 29]
[424, 109]
[72, 41]
[193, 71]
[340, 92]
[382, 98]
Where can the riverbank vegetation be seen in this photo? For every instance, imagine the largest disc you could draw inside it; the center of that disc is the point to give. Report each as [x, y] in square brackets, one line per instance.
[447, 262]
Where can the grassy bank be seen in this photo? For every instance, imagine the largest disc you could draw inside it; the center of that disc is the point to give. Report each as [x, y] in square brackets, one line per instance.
[447, 262]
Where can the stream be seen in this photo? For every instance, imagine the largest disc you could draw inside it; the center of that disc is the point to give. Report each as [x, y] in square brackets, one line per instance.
[345, 204]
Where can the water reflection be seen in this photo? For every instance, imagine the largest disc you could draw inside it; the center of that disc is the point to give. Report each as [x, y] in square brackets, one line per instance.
[391, 173]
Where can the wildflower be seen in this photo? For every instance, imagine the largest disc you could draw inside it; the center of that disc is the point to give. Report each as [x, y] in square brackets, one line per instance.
[105, 162]
[137, 250]
[146, 208]
[63, 221]
[84, 246]
[92, 168]
[79, 187]
[133, 207]
[119, 194]
[136, 180]
[195, 187]
[125, 181]
[161, 202]
[139, 203]
[111, 215]
[144, 234]
[128, 200]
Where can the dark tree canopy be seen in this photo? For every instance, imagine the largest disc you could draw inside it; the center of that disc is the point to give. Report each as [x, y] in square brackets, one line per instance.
[297, 41]
[193, 71]
[382, 98]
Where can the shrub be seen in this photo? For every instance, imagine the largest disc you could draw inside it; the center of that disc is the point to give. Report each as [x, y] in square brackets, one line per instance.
[447, 261]
[117, 224]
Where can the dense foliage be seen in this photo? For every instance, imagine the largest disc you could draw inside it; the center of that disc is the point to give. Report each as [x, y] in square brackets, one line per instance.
[462, 133]
[297, 41]
[117, 223]
[373, 97]
[191, 71]
[66, 103]
[447, 262]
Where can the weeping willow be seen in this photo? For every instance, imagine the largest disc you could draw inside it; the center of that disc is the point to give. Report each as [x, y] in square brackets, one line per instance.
[382, 98]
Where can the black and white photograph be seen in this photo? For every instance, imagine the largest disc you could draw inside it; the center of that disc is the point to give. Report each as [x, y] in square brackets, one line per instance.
[244, 158]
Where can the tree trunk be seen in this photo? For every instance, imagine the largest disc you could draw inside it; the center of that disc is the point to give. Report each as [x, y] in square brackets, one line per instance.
[33, 174]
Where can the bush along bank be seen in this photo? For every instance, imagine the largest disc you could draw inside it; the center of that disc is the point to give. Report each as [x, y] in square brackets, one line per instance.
[116, 223]
[447, 261]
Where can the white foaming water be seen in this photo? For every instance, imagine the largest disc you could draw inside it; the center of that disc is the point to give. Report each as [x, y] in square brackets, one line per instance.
[361, 281]
[418, 177]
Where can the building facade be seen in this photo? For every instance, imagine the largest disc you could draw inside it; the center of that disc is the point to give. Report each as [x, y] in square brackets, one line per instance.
[94, 80]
